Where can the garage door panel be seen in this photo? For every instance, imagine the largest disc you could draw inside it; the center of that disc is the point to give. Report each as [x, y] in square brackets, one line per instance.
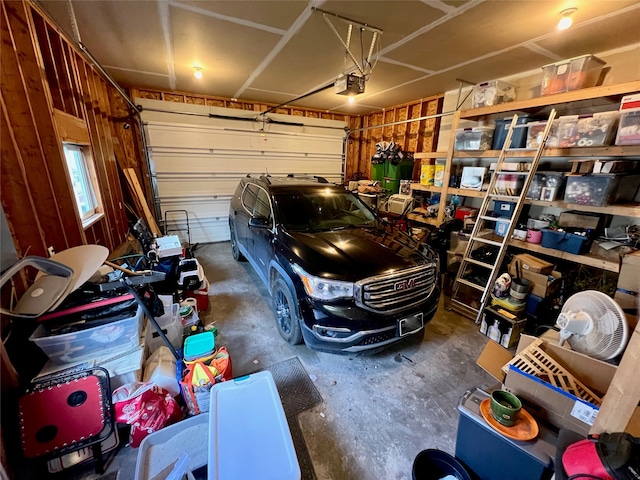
[243, 164]
[197, 161]
[180, 186]
[209, 138]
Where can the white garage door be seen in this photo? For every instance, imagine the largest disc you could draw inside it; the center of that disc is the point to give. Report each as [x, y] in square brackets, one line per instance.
[198, 154]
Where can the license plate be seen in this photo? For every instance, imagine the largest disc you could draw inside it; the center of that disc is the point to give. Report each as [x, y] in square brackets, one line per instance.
[410, 324]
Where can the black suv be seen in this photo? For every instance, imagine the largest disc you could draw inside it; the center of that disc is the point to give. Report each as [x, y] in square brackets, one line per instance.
[340, 278]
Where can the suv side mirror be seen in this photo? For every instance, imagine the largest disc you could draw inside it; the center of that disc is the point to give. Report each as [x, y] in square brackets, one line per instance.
[259, 222]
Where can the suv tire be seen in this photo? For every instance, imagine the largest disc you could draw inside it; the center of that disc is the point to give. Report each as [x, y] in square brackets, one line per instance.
[286, 312]
[235, 248]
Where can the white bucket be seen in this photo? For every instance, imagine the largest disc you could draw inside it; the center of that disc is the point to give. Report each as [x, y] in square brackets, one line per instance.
[160, 368]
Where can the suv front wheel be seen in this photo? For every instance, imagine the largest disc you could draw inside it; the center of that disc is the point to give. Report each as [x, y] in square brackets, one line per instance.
[286, 312]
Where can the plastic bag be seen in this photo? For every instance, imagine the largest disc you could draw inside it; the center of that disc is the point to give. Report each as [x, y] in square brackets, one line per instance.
[146, 407]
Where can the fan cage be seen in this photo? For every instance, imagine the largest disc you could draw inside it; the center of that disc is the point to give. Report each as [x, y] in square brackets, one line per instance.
[609, 336]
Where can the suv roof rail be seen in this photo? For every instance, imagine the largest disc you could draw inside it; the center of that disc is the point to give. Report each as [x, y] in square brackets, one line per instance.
[265, 179]
[317, 178]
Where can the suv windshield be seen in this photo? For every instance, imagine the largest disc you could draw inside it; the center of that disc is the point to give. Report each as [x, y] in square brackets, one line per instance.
[322, 209]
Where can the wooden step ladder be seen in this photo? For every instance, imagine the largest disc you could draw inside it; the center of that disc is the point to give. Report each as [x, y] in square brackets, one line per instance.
[481, 236]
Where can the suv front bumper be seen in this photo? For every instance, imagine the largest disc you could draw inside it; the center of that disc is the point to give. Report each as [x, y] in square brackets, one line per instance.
[350, 329]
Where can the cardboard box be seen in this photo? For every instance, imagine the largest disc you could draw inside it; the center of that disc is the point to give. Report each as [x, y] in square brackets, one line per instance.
[546, 401]
[543, 285]
[501, 326]
[529, 263]
[629, 277]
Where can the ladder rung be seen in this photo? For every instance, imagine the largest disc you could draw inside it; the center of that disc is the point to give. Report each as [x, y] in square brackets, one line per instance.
[455, 302]
[478, 262]
[471, 284]
[506, 198]
[495, 219]
[486, 240]
[510, 172]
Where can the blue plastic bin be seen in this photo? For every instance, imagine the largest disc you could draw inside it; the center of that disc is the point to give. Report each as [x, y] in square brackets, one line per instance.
[519, 136]
[503, 209]
[565, 241]
[501, 228]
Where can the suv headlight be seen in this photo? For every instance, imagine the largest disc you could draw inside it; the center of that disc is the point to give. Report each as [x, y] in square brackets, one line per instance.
[323, 289]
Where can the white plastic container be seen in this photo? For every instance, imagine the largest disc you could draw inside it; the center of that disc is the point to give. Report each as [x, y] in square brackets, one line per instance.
[492, 93]
[114, 337]
[160, 368]
[589, 130]
[171, 325]
[535, 131]
[159, 451]
[476, 138]
[629, 128]
[249, 437]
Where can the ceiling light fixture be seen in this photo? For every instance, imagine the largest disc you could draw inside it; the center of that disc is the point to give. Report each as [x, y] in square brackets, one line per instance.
[197, 72]
[352, 99]
[566, 21]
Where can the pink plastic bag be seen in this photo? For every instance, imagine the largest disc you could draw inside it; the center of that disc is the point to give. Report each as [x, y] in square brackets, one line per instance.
[146, 407]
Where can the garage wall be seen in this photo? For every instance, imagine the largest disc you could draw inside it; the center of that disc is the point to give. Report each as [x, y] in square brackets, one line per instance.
[198, 154]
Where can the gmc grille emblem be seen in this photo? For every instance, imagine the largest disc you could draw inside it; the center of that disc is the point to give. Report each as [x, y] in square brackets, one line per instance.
[404, 284]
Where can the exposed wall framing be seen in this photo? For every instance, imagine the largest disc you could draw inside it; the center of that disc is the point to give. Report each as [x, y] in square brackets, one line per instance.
[51, 94]
[416, 137]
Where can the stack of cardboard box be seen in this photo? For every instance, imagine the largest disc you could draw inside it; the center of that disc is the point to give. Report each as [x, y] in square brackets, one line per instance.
[544, 279]
[547, 402]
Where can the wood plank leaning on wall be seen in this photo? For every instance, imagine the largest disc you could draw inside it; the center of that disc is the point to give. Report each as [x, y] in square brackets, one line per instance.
[51, 94]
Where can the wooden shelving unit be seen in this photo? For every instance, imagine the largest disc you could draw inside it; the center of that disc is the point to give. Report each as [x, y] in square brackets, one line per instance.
[609, 95]
[585, 259]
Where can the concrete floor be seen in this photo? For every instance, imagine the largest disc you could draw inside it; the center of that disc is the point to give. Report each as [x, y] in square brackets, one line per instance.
[379, 411]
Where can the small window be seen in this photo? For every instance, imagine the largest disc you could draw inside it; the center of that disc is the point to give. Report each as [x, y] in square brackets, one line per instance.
[84, 185]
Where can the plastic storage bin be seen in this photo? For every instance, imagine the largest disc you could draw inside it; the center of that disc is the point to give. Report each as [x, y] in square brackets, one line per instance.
[247, 421]
[546, 186]
[566, 241]
[473, 178]
[160, 450]
[601, 190]
[501, 228]
[572, 74]
[489, 454]
[589, 130]
[508, 184]
[171, 326]
[519, 136]
[535, 130]
[492, 93]
[200, 345]
[476, 138]
[118, 335]
[503, 209]
[629, 128]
